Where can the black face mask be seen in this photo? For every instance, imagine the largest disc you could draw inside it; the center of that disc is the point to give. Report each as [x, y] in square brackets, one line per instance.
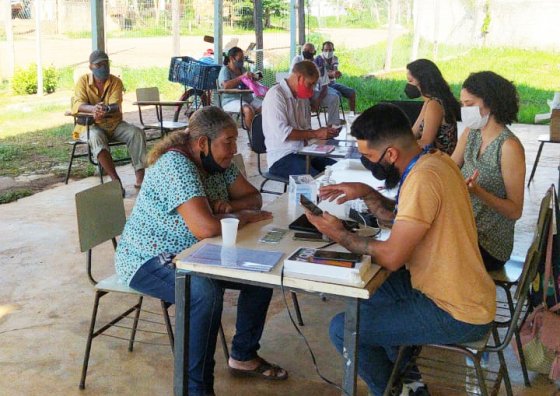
[412, 91]
[389, 172]
[307, 55]
[209, 163]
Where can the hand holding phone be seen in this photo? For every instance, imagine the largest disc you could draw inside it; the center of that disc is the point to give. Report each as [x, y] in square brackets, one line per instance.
[307, 204]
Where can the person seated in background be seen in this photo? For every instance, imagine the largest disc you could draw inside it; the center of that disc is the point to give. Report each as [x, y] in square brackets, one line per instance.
[322, 94]
[437, 123]
[492, 160]
[101, 93]
[230, 78]
[438, 290]
[287, 123]
[329, 61]
[190, 185]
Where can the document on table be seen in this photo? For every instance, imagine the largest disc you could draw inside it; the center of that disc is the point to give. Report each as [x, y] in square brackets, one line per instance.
[236, 258]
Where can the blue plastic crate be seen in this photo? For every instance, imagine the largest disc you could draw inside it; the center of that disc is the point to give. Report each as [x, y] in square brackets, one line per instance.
[190, 72]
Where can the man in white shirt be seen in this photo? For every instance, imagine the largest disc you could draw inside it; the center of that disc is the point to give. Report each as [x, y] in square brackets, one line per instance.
[287, 123]
[323, 95]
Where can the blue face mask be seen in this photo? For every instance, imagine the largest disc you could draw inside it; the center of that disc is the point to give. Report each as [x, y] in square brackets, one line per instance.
[209, 163]
[101, 73]
[239, 63]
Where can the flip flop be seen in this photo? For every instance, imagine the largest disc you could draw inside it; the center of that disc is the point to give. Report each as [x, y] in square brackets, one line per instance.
[260, 370]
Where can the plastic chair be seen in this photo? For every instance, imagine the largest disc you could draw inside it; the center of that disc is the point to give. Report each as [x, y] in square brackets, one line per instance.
[256, 140]
[101, 217]
[147, 97]
[433, 369]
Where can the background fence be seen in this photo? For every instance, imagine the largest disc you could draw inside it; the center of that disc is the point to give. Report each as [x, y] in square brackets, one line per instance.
[139, 32]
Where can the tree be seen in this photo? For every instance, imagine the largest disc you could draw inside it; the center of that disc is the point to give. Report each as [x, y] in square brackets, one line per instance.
[270, 8]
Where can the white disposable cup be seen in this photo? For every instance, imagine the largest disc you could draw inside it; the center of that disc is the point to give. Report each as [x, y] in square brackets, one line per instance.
[229, 231]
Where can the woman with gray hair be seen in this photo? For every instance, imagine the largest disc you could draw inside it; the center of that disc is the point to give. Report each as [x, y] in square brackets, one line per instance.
[190, 185]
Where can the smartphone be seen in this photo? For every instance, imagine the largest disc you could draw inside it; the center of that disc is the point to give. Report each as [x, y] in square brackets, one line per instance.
[342, 256]
[310, 205]
[307, 236]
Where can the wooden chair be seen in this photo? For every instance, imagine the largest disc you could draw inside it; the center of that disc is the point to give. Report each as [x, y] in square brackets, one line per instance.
[448, 374]
[101, 218]
[149, 97]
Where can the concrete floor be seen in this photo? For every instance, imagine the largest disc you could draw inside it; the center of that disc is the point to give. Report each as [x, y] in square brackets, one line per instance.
[46, 301]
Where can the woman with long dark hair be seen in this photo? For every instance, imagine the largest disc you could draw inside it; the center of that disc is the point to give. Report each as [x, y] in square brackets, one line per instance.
[437, 123]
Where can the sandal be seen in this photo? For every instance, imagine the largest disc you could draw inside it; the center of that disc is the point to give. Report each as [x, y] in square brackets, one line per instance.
[259, 371]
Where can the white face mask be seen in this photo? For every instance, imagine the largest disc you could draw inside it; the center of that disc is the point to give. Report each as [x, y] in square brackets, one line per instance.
[328, 54]
[471, 117]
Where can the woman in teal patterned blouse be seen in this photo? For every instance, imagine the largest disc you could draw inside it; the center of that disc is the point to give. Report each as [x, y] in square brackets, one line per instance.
[492, 160]
[190, 185]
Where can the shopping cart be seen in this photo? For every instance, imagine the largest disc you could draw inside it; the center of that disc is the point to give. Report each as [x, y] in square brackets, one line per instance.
[199, 79]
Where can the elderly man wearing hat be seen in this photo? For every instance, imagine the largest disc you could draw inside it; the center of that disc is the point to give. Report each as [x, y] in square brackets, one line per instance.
[100, 93]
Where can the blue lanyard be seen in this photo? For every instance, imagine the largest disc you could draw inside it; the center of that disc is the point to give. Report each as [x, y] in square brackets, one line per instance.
[410, 165]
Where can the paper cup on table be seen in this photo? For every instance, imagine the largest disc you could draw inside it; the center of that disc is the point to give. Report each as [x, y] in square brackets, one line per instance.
[229, 231]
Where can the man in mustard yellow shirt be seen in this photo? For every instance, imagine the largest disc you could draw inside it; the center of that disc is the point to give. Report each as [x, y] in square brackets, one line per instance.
[439, 290]
[100, 93]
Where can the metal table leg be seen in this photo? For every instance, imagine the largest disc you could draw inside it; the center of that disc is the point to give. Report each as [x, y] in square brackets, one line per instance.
[350, 348]
[182, 325]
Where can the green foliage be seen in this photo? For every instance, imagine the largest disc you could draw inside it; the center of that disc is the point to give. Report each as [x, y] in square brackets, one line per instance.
[487, 19]
[25, 80]
[271, 8]
[14, 195]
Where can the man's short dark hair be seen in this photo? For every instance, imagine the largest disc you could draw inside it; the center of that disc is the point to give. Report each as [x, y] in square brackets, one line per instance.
[327, 42]
[382, 124]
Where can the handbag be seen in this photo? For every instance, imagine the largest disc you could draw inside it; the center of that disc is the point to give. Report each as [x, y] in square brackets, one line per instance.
[258, 89]
[540, 333]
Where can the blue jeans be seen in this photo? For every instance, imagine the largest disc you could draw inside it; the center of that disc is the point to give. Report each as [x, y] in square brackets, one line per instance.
[396, 315]
[342, 90]
[158, 280]
[294, 164]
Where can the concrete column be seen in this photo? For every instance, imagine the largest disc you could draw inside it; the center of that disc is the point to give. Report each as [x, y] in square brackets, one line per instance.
[218, 31]
[97, 25]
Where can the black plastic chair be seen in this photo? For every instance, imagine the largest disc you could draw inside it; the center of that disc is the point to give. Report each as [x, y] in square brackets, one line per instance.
[411, 108]
[256, 140]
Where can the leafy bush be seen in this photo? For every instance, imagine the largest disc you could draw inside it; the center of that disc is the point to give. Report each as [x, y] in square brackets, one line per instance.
[25, 80]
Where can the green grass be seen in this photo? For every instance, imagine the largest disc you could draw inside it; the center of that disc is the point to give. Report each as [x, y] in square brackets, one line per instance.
[536, 75]
[14, 195]
[39, 151]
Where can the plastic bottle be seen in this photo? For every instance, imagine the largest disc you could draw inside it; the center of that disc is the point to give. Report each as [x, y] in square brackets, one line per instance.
[325, 181]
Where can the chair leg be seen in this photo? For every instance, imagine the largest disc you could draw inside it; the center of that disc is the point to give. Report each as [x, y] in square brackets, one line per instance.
[319, 118]
[296, 306]
[395, 372]
[517, 339]
[70, 163]
[137, 307]
[535, 164]
[503, 366]
[98, 295]
[164, 307]
[224, 343]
